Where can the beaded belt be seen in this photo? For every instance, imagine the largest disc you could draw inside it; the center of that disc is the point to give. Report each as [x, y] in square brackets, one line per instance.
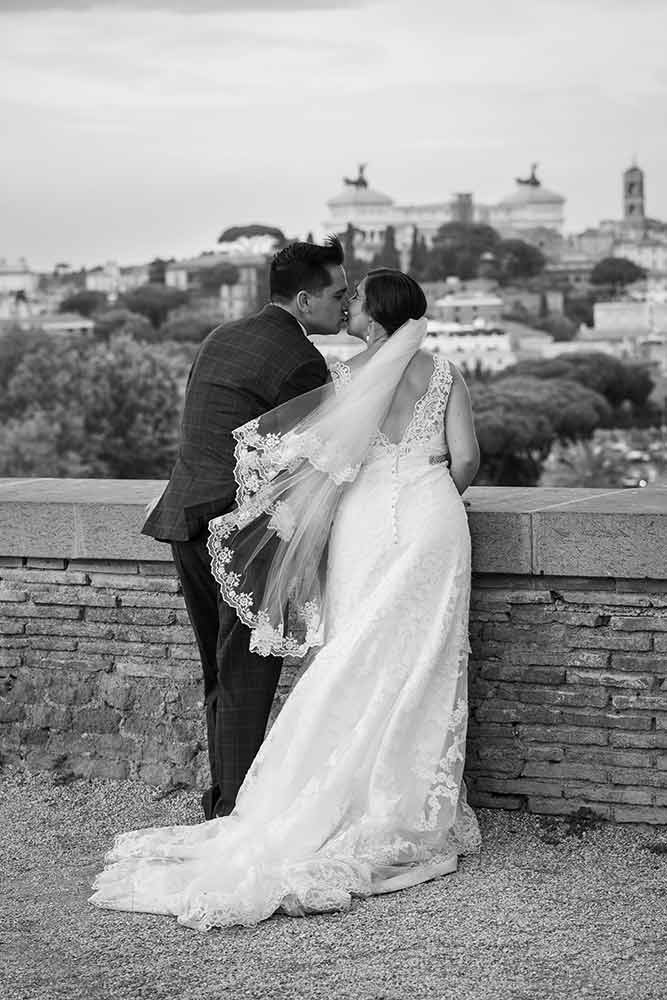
[437, 459]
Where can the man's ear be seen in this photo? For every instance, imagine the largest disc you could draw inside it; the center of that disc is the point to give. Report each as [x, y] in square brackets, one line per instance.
[303, 301]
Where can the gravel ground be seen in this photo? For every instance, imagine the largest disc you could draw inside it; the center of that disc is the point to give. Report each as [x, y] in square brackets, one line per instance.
[549, 909]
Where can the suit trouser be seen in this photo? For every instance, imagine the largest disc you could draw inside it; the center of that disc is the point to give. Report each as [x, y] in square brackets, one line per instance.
[238, 685]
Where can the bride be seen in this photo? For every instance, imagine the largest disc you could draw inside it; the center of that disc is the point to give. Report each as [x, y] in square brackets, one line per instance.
[351, 496]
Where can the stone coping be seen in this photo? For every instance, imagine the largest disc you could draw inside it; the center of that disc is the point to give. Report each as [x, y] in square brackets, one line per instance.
[515, 530]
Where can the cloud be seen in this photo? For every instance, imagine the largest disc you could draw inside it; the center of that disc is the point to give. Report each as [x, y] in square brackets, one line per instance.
[176, 6]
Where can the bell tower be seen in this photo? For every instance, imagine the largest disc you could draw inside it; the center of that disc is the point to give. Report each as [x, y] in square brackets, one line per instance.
[633, 196]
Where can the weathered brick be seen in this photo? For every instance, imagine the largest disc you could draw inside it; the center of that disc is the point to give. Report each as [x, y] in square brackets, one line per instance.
[175, 634]
[584, 619]
[96, 720]
[637, 682]
[9, 596]
[519, 786]
[132, 616]
[189, 654]
[535, 614]
[166, 568]
[10, 658]
[578, 638]
[609, 756]
[651, 741]
[637, 776]
[106, 647]
[90, 630]
[140, 667]
[53, 660]
[609, 793]
[566, 734]
[639, 661]
[593, 658]
[11, 710]
[87, 596]
[577, 583]
[635, 722]
[495, 670]
[49, 716]
[640, 701]
[661, 762]
[12, 627]
[65, 577]
[563, 769]
[640, 623]
[137, 599]
[486, 800]
[50, 642]
[30, 610]
[586, 697]
[156, 774]
[639, 814]
[566, 807]
[542, 751]
[511, 713]
[660, 643]
[104, 565]
[57, 564]
[489, 616]
[129, 581]
[605, 598]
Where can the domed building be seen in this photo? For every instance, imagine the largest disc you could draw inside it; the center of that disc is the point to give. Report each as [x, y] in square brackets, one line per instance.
[527, 210]
[371, 211]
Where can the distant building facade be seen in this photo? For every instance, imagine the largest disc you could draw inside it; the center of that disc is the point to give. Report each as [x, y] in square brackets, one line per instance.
[113, 280]
[17, 277]
[232, 301]
[530, 212]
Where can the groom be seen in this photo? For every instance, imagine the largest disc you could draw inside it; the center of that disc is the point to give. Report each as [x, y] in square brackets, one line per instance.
[241, 370]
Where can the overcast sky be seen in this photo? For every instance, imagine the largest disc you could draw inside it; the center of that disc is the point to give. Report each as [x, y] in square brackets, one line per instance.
[131, 129]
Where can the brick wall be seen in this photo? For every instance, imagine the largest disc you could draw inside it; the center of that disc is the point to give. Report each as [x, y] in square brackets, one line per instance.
[99, 674]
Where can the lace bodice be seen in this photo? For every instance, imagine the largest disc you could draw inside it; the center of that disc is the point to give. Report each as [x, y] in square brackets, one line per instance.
[425, 433]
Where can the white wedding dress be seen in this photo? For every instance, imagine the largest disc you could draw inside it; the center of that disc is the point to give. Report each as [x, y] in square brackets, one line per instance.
[357, 789]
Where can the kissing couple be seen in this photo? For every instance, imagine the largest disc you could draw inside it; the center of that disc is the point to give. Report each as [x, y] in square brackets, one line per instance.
[317, 514]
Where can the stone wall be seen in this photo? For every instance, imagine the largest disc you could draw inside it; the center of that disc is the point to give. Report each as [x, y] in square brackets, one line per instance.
[99, 673]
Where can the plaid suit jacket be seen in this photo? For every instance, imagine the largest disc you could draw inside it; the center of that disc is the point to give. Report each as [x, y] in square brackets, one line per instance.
[241, 370]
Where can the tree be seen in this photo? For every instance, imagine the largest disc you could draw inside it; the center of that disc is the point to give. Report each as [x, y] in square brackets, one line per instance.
[418, 256]
[212, 278]
[618, 381]
[616, 271]
[457, 249]
[355, 269]
[77, 407]
[188, 329]
[518, 259]
[560, 327]
[518, 420]
[157, 270]
[154, 301]
[388, 256]
[122, 320]
[236, 232]
[85, 303]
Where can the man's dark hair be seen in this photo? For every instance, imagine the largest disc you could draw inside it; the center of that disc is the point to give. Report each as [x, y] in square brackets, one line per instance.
[392, 298]
[303, 267]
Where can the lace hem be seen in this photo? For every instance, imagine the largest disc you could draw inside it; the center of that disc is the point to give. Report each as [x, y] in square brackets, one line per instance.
[265, 639]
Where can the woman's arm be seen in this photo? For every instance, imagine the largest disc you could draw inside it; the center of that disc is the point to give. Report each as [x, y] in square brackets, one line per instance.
[460, 433]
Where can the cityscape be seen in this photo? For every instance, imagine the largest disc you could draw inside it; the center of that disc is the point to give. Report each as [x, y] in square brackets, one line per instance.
[507, 286]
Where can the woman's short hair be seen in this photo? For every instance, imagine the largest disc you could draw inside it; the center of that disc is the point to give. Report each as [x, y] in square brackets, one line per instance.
[303, 267]
[392, 298]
